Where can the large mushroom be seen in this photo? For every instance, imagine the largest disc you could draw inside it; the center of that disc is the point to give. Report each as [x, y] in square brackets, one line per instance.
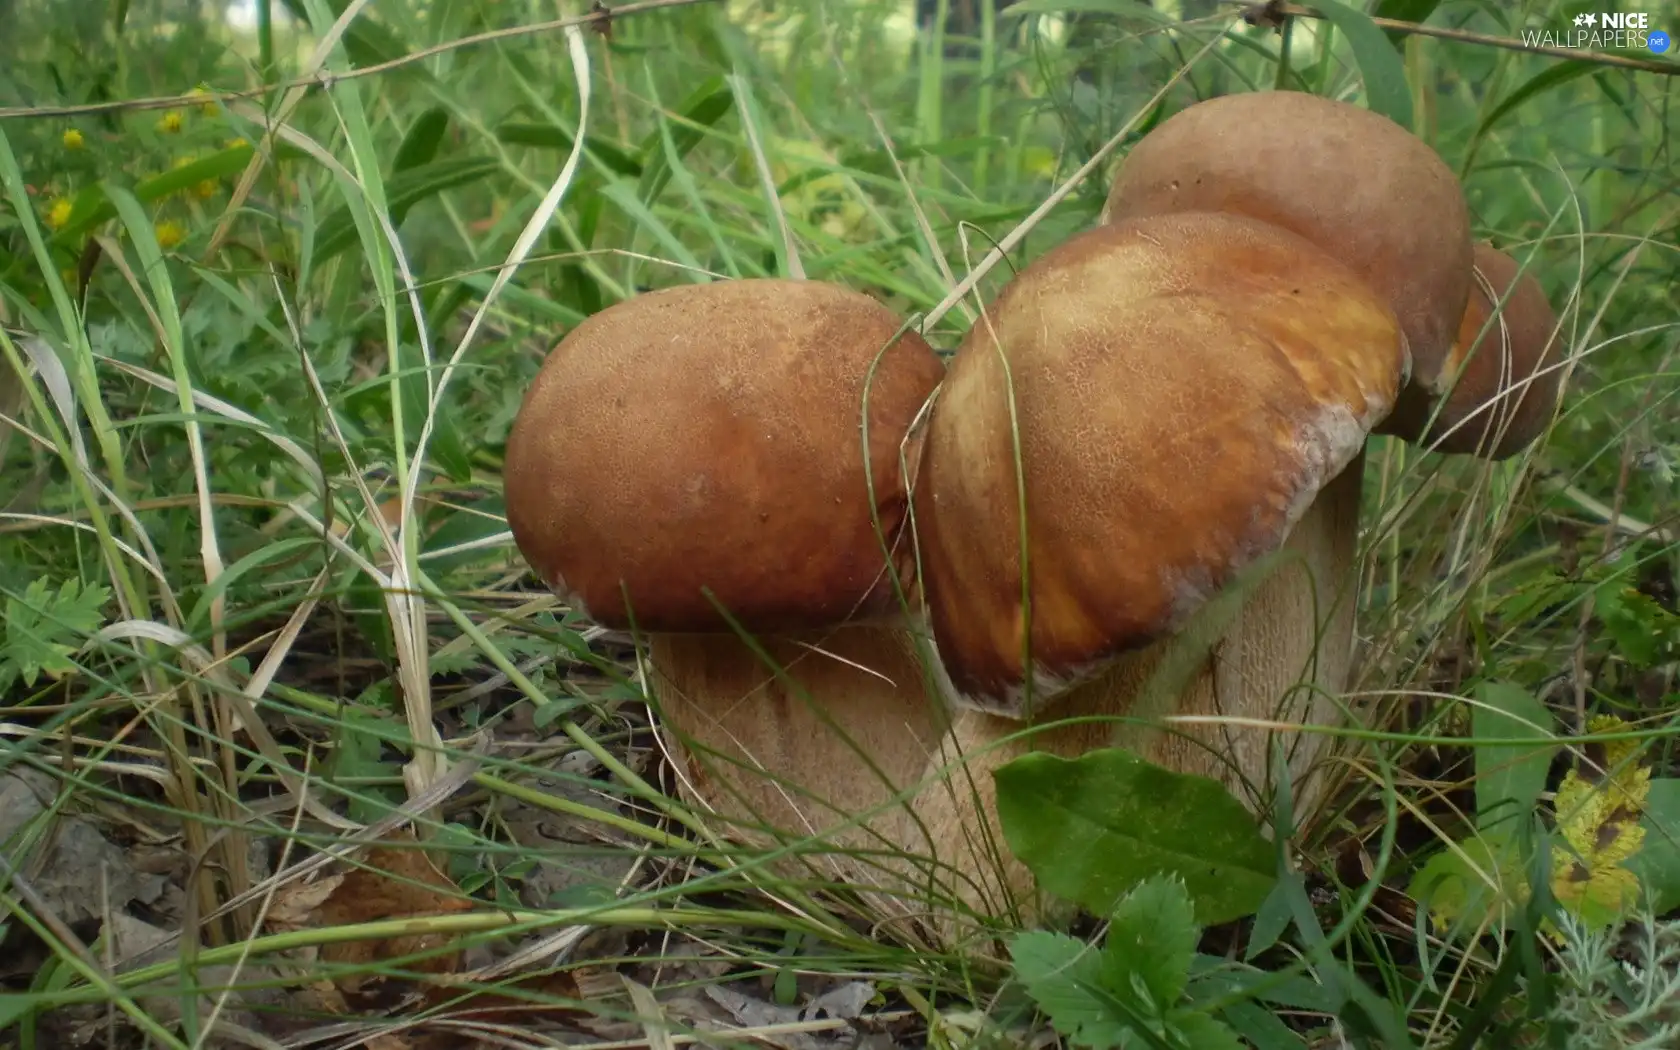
[693, 464]
[1170, 399]
[1353, 182]
[1499, 384]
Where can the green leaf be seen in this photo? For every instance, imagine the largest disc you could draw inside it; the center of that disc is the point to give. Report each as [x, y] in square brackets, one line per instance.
[1152, 941]
[705, 106]
[421, 143]
[1092, 828]
[1657, 864]
[44, 628]
[1460, 887]
[1199, 1031]
[404, 190]
[1379, 63]
[547, 136]
[1404, 11]
[1062, 974]
[1510, 777]
[1545, 80]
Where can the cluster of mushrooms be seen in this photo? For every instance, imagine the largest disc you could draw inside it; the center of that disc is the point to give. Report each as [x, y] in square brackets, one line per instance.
[862, 573]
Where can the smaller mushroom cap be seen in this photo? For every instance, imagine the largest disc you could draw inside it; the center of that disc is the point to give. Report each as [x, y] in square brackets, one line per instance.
[709, 438]
[1182, 387]
[1353, 182]
[1501, 378]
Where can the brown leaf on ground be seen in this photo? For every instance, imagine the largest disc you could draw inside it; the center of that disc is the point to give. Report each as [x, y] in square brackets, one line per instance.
[394, 880]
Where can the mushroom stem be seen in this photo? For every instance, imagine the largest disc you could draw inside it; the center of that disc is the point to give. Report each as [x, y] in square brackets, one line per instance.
[1280, 662]
[802, 735]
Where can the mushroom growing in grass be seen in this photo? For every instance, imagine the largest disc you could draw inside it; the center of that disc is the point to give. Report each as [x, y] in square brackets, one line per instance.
[1149, 411]
[691, 464]
[1499, 384]
[1353, 182]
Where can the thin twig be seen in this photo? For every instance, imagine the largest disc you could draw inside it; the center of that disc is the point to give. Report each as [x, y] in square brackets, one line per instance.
[322, 80]
[1268, 13]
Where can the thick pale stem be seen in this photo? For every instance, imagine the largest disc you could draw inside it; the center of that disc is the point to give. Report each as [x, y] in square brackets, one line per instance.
[1283, 658]
[769, 750]
[1280, 661]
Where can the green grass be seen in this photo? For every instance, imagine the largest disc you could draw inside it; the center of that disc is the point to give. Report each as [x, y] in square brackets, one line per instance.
[259, 406]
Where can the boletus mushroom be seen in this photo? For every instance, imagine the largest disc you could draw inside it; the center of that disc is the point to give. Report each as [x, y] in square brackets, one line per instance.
[1351, 181]
[1146, 412]
[693, 464]
[1499, 384]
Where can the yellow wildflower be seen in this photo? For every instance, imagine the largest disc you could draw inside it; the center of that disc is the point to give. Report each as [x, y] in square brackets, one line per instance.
[73, 139]
[236, 143]
[169, 234]
[59, 213]
[171, 122]
[205, 189]
[208, 107]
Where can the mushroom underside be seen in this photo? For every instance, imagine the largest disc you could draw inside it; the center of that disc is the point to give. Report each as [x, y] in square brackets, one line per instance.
[1280, 660]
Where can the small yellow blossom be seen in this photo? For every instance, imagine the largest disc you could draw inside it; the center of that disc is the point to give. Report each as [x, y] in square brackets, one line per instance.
[205, 189]
[236, 143]
[59, 214]
[169, 234]
[73, 139]
[208, 107]
[171, 122]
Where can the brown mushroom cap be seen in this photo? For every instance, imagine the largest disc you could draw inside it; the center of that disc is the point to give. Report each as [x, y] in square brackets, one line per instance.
[1353, 182]
[1183, 387]
[1500, 391]
[709, 437]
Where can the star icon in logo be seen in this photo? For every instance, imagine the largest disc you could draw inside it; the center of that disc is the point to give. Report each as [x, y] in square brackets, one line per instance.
[1580, 20]
[1592, 20]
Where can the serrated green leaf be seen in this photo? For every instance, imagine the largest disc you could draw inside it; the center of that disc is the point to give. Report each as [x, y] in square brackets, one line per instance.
[1380, 66]
[1510, 777]
[1093, 827]
[1152, 941]
[1195, 1030]
[1060, 973]
[44, 628]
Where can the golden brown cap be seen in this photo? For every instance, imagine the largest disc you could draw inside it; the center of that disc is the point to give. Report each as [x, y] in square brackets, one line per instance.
[1502, 390]
[1183, 386]
[710, 437]
[1353, 182]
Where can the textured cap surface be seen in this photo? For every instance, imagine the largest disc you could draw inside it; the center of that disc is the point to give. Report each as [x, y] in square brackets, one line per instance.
[1353, 182]
[710, 436]
[1183, 386]
[1501, 392]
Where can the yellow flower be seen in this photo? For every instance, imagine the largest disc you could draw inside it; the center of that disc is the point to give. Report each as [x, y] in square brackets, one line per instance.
[171, 122]
[73, 139]
[208, 107]
[169, 234]
[205, 189]
[236, 143]
[59, 213]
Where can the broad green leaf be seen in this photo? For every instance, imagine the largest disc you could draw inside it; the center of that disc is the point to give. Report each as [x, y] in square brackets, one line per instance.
[1199, 1031]
[1261, 1027]
[1092, 828]
[1380, 65]
[1510, 777]
[1657, 864]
